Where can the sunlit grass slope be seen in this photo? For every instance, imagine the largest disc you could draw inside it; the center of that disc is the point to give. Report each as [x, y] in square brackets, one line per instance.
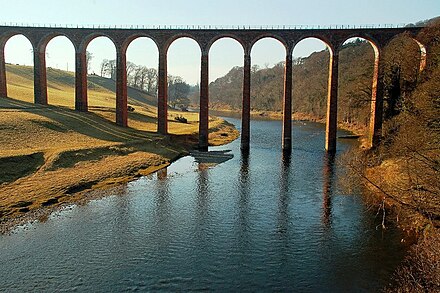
[101, 99]
[48, 153]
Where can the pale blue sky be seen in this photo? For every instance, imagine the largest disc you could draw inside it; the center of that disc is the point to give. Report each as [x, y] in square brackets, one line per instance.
[184, 55]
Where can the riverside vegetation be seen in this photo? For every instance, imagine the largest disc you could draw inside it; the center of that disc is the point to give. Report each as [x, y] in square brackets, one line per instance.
[50, 155]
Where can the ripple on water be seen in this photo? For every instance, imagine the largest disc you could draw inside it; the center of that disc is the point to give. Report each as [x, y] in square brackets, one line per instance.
[256, 222]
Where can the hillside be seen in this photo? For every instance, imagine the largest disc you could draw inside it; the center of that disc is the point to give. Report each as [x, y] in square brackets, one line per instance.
[101, 95]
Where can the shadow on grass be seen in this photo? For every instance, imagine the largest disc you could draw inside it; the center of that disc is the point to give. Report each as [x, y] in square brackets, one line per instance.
[13, 168]
[90, 124]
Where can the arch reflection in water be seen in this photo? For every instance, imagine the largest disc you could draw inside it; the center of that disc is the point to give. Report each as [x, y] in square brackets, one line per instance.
[244, 193]
[163, 210]
[283, 204]
[327, 188]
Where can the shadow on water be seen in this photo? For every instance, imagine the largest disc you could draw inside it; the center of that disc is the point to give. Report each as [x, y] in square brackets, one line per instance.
[328, 169]
[244, 192]
[283, 204]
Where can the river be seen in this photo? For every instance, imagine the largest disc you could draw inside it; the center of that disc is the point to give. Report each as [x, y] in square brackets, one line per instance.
[261, 221]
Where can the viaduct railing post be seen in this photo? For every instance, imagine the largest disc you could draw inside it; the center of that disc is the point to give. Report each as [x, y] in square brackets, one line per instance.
[40, 81]
[204, 103]
[162, 95]
[376, 113]
[81, 101]
[246, 108]
[121, 88]
[332, 102]
[287, 104]
[3, 87]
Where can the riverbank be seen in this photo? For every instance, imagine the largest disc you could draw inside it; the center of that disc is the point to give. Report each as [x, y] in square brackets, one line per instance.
[51, 156]
[420, 271]
[356, 129]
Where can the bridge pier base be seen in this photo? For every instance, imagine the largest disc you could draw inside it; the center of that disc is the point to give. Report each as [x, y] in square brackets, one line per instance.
[81, 101]
[246, 108]
[376, 113]
[121, 89]
[40, 81]
[332, 103]
[287, 105]
[3, 86]
[162, 95]
[204, 102]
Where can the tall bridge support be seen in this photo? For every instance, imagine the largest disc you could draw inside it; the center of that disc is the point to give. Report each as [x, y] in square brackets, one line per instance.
[332, 103]
[376, 113]
[81, 101]
[204, 102]
[40, 81]
[287, 104]
[121, 88]
[3, 87]
[162, 94]
[246, 107]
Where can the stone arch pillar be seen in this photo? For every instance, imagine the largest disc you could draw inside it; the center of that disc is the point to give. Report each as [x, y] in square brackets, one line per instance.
[121, 87]
[162, 93]
[287, 101]
[204, 101]
[423, 58]
[332, 102]
[3, 86]
[81, 100]
[376, 112]
[40, 79]
[246, 106]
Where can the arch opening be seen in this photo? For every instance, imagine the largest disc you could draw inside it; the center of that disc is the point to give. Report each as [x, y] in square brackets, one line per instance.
[184, 65]
[403, 58]
[19, 61]
[101, 77]
[267, 75]
[142, 76]
[358, 59]
[226, 74]
[310, 78]
[60, 72]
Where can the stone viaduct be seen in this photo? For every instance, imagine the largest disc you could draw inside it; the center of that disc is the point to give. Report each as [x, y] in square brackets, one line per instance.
[333, 38]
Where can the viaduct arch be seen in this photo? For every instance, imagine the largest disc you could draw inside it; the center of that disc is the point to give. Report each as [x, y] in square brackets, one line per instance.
[333, 38]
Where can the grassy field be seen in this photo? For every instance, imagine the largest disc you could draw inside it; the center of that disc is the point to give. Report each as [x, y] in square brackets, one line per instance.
[50, 153]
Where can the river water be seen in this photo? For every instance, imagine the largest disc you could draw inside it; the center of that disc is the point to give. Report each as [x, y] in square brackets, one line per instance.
[257, 222]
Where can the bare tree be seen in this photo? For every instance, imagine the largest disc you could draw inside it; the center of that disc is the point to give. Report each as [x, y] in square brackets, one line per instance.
[151, 80]
[89, 57]
[104, 65]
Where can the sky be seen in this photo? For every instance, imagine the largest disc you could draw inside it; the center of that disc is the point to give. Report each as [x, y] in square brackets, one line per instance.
[184, 54]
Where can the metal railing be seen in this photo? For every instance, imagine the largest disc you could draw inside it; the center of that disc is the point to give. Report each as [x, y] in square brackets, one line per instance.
[209, 27]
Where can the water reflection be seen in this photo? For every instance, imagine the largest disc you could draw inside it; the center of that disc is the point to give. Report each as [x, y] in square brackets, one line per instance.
[244, 188]
[283, 204]
[256, 222]
[163, 211]
[327, 188]
[203, 192]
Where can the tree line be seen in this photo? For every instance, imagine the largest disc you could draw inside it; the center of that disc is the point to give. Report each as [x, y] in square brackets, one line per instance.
[145, 79]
